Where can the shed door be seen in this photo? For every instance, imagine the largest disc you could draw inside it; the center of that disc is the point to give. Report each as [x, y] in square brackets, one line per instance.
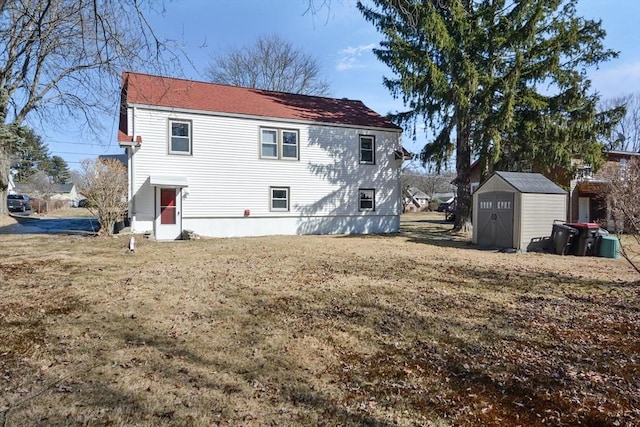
[495, 219]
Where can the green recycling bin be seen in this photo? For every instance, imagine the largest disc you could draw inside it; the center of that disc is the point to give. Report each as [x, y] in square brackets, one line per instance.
[609, 247]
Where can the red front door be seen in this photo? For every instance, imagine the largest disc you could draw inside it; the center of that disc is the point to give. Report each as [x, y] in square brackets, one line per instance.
[168, 223]
[167, 206]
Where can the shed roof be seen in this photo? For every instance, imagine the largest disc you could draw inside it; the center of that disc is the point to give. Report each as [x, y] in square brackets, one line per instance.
[530, 182]
[144, 89]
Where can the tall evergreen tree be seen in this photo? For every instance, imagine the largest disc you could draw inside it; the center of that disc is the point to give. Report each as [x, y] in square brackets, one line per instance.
[30, 155]
[59, 170]
[506, 79]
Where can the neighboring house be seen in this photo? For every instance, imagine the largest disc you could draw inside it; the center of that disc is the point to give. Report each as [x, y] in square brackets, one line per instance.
[64, 192]
[228, 161]
[11, 188]
[586, 203]
[415, 199]
[55, 192]
[421, 197]
[22, 188]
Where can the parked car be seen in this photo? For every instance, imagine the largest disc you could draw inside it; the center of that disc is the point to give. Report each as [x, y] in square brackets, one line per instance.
[18, 203]
[450, 212]
[442, 207]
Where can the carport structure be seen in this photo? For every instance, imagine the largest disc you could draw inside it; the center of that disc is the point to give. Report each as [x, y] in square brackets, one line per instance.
[517, 210]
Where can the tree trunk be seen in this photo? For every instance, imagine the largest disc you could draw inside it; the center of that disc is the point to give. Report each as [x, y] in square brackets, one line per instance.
[4, 178]
[463, 170]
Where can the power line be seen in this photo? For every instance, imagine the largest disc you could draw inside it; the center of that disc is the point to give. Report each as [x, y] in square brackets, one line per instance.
[78, 153]
[90, 144]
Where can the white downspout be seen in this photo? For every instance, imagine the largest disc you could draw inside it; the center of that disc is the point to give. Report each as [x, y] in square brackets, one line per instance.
[132, 214]
[399, 181]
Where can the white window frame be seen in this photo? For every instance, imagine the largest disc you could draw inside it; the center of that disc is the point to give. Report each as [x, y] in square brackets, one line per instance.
[189, 137]
[270, 131]
[284, 144]
[280, 144]
[367, 138]
[287, 191]
[361, 192]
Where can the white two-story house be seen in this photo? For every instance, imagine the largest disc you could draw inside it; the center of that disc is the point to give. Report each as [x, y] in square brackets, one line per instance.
[226, 161]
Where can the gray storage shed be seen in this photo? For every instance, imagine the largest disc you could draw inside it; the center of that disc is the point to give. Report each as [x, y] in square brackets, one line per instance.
[516, 210]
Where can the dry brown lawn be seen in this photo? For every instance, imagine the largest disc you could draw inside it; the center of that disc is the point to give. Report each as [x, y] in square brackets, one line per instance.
[418, 328]
[6, 220]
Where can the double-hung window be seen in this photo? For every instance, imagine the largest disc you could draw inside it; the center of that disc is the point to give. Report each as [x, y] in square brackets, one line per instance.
[279, 144]
[289, 144]
[279, 198]
[367, 150]
[269, 144]
[367, 199]
[180, 137]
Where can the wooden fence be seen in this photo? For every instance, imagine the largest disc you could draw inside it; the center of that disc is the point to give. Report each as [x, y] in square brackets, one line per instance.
[46, 206]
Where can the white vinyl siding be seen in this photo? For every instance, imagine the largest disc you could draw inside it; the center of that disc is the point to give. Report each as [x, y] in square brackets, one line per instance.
[224, 186]
[536, 212]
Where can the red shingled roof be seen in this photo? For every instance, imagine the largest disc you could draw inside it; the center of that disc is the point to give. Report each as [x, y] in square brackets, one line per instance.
[144, 89]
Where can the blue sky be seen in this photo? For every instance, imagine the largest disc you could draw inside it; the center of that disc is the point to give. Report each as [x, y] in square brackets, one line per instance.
[341, 40]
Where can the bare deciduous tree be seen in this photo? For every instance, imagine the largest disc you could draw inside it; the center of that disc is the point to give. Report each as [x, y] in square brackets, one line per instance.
[428, 183]
[272, 63]
[62, 58]
[625, 135]
[621, 193]
[41, 184]
[103, 183]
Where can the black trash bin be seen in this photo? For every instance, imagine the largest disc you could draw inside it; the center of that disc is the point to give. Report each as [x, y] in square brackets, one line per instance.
[562, 237]
[584, 244]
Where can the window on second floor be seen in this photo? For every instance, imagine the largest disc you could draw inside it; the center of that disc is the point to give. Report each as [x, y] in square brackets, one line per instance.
[289, 144]
[279, 144]
[367, 149]
[269, 143]
[180, 137]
